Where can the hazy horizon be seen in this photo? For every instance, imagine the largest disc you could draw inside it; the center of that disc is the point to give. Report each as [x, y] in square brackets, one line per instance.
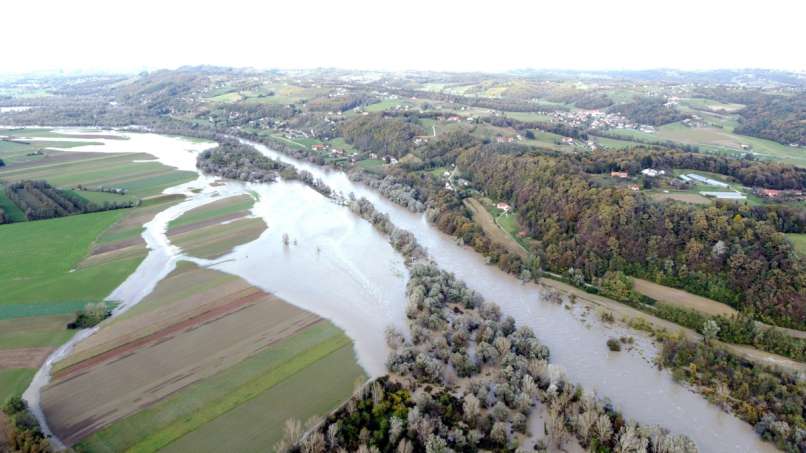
[580, 35]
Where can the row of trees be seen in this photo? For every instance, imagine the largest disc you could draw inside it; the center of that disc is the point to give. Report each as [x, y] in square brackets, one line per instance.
[773, 402]
[748, 171]
[39, 200]
[738, 329]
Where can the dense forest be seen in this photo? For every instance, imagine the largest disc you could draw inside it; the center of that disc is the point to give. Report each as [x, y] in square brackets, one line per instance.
[649, 110]
[339, 103]
[772, 116]
[777, 118]
[589, 100]
[711, 251]
[381, 134]
[23, 433]
[235, 161]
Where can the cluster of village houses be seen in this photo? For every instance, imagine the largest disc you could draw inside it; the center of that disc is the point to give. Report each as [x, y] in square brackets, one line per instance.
[597, 120]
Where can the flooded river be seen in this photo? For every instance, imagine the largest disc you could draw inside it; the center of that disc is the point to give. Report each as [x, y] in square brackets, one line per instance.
[340, 268]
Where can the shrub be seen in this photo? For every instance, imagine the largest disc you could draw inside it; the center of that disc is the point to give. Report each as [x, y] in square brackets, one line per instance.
[613, 344]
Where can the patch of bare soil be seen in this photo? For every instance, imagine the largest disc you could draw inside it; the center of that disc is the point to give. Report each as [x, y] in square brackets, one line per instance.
[23, 357]
[682, 299]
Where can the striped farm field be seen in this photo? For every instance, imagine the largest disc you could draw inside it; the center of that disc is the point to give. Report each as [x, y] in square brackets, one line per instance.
[203, 347]
[66, 169]
[214, 229]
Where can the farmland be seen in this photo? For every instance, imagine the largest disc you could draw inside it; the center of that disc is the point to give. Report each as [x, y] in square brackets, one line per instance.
[67, 169]
[686, 197]
[59, 265]
[215, 228]
[207, 330]
[47, 254]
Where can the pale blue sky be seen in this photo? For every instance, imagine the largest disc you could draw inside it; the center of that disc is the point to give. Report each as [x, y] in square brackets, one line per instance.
[413, 34]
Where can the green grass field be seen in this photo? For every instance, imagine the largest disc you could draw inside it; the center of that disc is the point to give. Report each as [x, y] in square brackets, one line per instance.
[315, 365]
[15, 153]
[799, 242]
[340, 143]
[12, 212]
[13, 381]
[35, 331]
[371, 165]
[100, 198]
[40, 258]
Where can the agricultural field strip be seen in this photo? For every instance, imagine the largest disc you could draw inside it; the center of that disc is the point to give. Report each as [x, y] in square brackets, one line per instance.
[219, 210]
[314, 391]
[90, 160]
[162, 312]
[184, 356]
[126, 432]
[23, 357]
[245, 393]
[682, 299]
[35, 331]
[217, 240]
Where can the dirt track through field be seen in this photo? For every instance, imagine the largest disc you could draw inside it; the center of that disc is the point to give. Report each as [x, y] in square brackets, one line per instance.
[496, 234]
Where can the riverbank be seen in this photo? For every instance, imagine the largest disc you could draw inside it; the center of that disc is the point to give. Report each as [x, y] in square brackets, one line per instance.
[671, 296]
[627, 315]
[137, 336]
[577, 345]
